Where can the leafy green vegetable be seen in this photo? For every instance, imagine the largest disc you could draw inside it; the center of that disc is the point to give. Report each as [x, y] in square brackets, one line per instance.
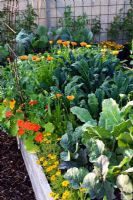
[75, 176]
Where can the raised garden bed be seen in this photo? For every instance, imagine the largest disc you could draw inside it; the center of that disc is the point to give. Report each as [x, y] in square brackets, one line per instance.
[38, 179]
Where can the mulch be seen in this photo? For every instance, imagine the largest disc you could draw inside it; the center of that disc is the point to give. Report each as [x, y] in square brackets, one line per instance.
[14, 180]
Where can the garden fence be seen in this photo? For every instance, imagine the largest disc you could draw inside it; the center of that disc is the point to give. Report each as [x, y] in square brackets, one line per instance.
[50, 11]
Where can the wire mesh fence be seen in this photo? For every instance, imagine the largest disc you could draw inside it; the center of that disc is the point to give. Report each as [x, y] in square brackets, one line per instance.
[50, 11]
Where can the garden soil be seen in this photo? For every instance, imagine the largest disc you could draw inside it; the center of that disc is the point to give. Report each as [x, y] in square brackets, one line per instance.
[14, 180]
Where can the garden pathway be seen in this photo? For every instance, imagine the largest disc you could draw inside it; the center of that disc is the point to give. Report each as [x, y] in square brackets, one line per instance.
[14, 180]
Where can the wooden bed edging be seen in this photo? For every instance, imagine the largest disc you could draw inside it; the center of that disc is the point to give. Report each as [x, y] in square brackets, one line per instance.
[38, 179]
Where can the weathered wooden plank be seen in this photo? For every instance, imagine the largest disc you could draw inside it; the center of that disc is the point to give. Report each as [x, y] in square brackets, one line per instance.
[38, 179]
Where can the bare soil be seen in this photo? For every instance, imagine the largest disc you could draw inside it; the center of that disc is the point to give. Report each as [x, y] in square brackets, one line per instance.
[14, 180]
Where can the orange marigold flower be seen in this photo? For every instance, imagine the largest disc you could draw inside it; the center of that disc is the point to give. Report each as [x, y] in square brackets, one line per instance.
[74, 43]
[33, 102]
[21, 131]
[71, 98]
[66, 43]
[59, 41]
[39, 137]
[83, 44]
[58, 95]
[49, 58]
[24, 57]
[9, 114]
[35, 58]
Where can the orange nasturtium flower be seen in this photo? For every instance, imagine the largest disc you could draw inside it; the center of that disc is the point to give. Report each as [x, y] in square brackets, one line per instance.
[59, 41]
[24, 57]
[71, 98]
[39, 137]
[9, 114]
[21, 131]
[12, 104]
[28, 125]
[83, 44]
[33, 102]
[74, 43]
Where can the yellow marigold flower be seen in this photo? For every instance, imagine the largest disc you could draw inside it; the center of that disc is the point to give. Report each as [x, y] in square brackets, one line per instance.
[73, 43]
[24, 57]
[48, 134]
[56, 197]
[49, 155]
[65, 183]
[52, 194]
[115, 52]
[71, 98]
[38, 162]
[12, 104]
[56, 163]
[58, 173]
[45, 163]
[65, 195]
[88, 45]
[58, 95]
[54, 166]
[59, 41]
[52, 178]
[48, 141]
[53, 157]
[83, 44]
[41, 159]
[51, 42]
[103, 50]
[45, 139]
[58, 139]
[49, 169]
[5, 101]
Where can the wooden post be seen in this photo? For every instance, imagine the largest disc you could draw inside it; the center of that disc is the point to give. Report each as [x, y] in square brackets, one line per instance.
[48, 14]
